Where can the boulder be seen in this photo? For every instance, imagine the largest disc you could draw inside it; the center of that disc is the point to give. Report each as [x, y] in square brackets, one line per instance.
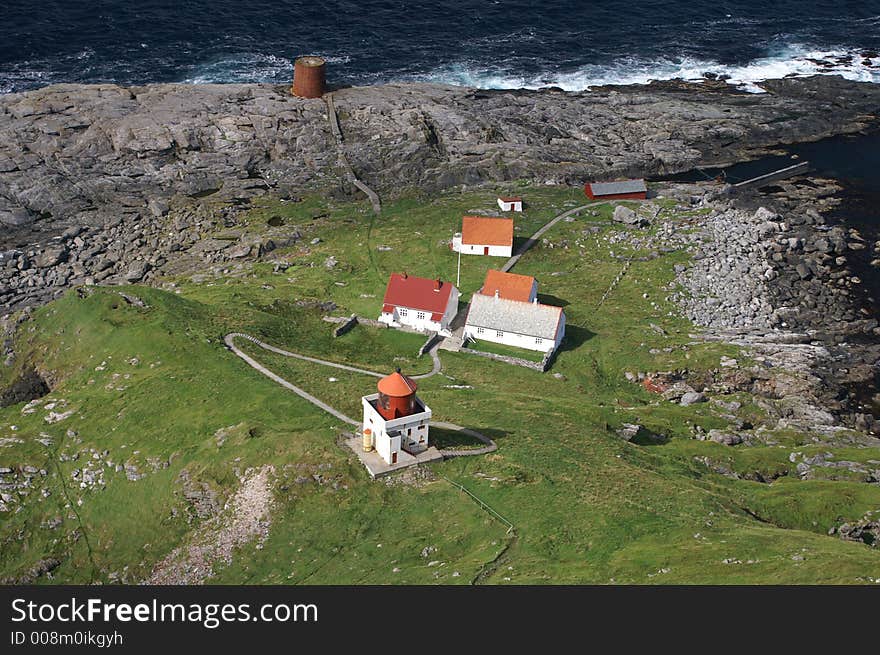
[726, 438]
[691, 398]
[158, 207]
[137, 271]
[51, 256]
[239, 250]
[628, 216]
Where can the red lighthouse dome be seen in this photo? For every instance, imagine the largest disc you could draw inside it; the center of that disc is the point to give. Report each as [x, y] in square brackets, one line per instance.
[397, 396]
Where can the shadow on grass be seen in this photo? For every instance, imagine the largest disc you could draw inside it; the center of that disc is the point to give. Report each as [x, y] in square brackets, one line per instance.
[519, 242]
[646, 437]
[547, 299]
[443, 438]
[575, 337]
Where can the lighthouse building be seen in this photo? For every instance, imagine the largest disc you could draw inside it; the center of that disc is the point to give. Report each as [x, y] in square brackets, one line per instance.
[395, 418]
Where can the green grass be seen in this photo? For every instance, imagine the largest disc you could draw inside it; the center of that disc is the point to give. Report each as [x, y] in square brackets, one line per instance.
[509, 351]
[588, 507]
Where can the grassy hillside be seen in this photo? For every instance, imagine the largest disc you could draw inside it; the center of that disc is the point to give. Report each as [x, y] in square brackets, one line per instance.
[150, 387]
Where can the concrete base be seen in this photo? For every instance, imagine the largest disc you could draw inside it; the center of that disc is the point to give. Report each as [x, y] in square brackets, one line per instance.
[377, 467]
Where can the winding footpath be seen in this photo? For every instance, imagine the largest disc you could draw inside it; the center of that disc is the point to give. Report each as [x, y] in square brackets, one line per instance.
[230, 338]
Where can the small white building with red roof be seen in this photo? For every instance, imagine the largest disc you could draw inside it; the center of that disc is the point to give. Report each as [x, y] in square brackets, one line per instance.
[510, 203]
[423, 304]
[484, 235]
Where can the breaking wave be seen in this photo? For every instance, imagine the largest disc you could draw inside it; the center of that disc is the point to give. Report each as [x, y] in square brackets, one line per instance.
[795, 60]
[249, 68]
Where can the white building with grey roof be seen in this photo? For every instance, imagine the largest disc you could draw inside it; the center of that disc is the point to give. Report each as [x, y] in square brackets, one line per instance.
[530, 325]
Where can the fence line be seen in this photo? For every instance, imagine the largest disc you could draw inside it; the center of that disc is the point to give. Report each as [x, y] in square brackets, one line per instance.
[483, 505]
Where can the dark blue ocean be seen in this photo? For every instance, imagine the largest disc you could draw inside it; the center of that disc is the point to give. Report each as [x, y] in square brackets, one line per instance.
[490, 44]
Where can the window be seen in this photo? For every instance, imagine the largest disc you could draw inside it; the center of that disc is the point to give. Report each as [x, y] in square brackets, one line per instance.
[420, 316]
[499, 334]
[401, 311]
[480, 330]
[539, 340]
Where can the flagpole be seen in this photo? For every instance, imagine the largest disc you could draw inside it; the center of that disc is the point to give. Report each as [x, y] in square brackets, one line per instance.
[458, 274]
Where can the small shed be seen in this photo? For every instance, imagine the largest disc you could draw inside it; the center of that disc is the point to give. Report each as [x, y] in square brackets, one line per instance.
[619, 190]
[510, 204]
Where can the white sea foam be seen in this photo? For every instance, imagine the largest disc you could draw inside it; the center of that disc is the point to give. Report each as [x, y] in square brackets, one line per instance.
[250, 67]
[793, 60]
[238, 69]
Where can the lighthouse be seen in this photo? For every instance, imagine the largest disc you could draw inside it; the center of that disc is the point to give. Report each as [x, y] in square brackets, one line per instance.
[395, 418]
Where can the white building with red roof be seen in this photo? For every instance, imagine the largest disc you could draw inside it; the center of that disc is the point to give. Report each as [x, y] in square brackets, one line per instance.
[419, 303]
[510, 203]
[484, 235]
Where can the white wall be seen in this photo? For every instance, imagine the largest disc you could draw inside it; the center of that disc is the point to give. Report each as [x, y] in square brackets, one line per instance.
[510, 206]
[509, 339]
[494, 251]
[411, 320]
[560, 330]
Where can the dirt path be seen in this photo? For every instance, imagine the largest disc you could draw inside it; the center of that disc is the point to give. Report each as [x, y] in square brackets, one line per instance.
[532, 240]
[230, 338]
[244, 519]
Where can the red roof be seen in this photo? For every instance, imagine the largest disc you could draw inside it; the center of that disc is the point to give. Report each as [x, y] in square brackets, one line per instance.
[511, 286]
[397, 385]
[487, 231]
[419, 293]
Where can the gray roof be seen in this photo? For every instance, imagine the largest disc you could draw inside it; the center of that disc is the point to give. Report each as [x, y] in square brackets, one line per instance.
[624, 186]
[528, 318]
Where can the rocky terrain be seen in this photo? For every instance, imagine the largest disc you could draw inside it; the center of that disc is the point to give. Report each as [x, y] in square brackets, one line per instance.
[778, 281]
[108, 184]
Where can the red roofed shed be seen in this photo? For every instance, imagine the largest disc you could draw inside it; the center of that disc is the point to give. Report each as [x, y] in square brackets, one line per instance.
[621, 190]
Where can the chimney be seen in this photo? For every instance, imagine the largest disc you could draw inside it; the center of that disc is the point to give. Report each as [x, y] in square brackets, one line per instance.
[438, 284]
[496, 294]
[405, 276]
[535, 300]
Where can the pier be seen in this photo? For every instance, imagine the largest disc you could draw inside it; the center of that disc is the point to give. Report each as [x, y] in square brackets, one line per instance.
[781, 174]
